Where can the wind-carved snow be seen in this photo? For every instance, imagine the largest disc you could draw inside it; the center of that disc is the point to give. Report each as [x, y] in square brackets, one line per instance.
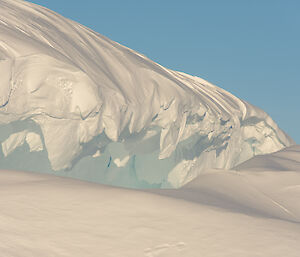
[106, 113]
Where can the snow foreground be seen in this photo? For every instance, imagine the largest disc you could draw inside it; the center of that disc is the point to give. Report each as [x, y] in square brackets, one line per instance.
[73, 101]
[220, 213]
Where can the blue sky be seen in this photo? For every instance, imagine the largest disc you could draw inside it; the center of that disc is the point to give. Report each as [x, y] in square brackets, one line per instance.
[248, 47]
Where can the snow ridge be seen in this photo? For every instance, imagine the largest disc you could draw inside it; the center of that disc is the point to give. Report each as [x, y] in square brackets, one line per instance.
[107, 113]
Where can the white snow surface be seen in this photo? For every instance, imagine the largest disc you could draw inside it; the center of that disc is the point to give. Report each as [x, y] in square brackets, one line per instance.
[102, 112]
[287, 159]
[220, 213]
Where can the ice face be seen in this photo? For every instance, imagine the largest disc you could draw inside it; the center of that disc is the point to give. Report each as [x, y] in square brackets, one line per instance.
[79, 104]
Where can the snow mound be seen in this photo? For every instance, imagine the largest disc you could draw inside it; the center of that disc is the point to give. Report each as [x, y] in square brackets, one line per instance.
[249, 215]
[287, 159]
[73, 101]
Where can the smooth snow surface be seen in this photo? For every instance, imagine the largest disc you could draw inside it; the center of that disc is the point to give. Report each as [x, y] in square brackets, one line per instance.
[287, 159]
[221, 213]
[73, 101]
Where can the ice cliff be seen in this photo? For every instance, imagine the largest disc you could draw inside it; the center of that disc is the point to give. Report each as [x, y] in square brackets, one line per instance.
[78, 104]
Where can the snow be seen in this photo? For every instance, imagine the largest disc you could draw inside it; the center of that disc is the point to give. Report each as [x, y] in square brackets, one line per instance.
[18, 139]
[286, 159]
[15, 140]
[76, 104]
[220, 213]
[83, 94]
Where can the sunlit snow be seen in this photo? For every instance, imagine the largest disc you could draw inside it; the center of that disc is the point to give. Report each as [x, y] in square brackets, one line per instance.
[220, 213]
[80, 94]
[215, 175]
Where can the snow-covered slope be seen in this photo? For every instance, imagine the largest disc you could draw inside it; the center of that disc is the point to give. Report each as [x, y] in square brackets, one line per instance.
[221, 213]
[73, 101]
[287, 159]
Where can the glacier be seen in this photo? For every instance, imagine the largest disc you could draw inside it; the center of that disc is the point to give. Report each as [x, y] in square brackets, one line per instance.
[77, 104]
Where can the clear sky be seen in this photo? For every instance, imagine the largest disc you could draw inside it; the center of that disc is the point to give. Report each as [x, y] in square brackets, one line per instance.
[248, 47]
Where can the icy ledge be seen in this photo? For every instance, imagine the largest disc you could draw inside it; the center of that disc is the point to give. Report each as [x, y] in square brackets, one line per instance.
[76, 102]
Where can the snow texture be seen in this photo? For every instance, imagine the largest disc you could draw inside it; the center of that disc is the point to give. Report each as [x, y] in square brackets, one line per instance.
[73, 101]
[220, 213]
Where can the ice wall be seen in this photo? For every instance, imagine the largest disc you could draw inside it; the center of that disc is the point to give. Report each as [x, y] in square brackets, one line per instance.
[76, 103]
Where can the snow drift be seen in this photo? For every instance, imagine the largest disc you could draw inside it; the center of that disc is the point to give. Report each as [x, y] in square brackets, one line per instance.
[246, 214]
[287, 159]
[73, 101]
